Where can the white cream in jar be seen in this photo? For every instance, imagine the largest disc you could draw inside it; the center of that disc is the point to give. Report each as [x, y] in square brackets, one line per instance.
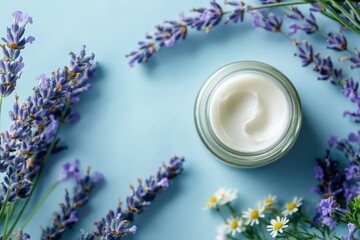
[249, 112]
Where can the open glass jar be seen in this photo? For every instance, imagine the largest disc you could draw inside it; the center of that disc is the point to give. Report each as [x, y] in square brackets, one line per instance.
[258, 86]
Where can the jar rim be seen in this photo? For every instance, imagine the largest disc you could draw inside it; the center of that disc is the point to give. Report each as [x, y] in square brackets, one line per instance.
[232, 156]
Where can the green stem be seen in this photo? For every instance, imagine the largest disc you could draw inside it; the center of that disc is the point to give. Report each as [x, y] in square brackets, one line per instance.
[352, 6]
[232, 210]
[13, 209]
[281, 4]
[48, 153]
[38, 206]
[261, 230]
[8, 211]
[4, 204]
[346, 13]
[338, 17]
[326, 14]
[257, 234]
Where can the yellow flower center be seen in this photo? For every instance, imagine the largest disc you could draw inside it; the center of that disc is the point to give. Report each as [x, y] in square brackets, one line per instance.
[254, 214]
[291, 206]
[268, 201]
[212, 201]
[233, 224]
[278, 225]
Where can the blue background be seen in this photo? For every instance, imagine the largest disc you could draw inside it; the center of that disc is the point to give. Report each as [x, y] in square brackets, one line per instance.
[134, 119]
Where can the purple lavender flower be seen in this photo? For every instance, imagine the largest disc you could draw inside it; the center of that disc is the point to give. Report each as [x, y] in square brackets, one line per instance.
[337, 42]
[68, 216]
[350, 191]
[332, 178]
[309, 26]
[319, 174]
[329, 222]
[69, 170]
[350, 90]
[117, 224]
[316, 7]
[237, 14]
[167, 35]
[326, 206]
[325, 212]
[324, 67]
[355, 60]
[11, 64]
[209, 17]
[352, 172]
[31, 137]
[268, 22]
[295, 14]
[305, 52]
[351, 229]
[354, 114]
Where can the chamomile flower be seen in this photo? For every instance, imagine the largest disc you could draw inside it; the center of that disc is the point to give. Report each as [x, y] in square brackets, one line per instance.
[221, 232]
[277, 226]
[292, 206]
[252, 215]
[221, 197]
[226, 195]
[269, 200]
[234, 225]
[212, 202]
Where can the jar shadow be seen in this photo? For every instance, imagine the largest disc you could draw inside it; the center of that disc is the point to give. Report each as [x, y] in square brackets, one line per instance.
[294, 172]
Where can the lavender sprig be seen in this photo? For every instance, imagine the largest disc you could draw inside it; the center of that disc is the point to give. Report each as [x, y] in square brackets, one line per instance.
[326, 71]
[117, 223]
[168, 34]
[12, 62]
[68, 216]
[33, 135]
[339, 185]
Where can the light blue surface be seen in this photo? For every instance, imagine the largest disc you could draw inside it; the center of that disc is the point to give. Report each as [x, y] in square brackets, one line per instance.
[135, 119]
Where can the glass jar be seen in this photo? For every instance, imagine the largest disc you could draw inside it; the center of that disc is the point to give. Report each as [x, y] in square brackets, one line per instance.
[230, 155]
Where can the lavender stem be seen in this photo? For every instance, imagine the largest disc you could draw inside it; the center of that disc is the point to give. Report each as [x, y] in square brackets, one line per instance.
[346, 13]
[48, 153]
[3, 207]
[281, 4]
[8, 210]
[38, 206]
[338, 17]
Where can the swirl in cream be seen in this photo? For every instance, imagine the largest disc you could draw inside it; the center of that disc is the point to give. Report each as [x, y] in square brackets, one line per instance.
[249, 112]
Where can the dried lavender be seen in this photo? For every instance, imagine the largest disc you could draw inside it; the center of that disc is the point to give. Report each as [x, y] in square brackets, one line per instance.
[12, 62]
[33, 135]
[117, 224]
[68, 216]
